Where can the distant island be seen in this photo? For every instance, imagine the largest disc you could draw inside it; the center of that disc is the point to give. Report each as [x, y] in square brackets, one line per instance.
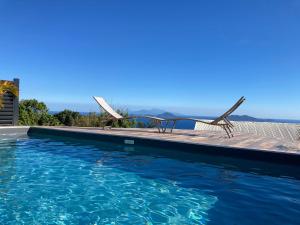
[163, 114]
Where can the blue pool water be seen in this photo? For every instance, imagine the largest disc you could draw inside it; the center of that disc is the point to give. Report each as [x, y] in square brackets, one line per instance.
[47, 180]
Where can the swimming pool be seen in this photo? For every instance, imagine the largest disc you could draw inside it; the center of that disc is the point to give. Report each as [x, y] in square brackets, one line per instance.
[58, 180]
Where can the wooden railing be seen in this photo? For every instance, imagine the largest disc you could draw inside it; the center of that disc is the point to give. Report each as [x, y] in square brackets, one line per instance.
[9, 113]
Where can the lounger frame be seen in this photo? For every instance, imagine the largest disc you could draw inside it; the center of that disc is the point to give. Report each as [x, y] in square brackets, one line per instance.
[114, 116]
[222, 121]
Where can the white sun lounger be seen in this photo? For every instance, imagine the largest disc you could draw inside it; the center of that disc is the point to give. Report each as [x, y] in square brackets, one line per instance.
[114, 116]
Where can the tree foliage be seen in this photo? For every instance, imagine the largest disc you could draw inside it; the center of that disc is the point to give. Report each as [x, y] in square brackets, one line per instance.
[126, 123]
[7, 86]
[68, 117]
[33, 112]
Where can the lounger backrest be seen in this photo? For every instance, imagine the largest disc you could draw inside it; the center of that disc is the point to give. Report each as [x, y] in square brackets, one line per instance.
[235, 106]
[231, 110]
[107, 108]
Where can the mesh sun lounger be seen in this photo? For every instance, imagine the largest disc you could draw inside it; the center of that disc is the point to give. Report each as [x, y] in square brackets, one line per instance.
[221, 121]
[114, 116]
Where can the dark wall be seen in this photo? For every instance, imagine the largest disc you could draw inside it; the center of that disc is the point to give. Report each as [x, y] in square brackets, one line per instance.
[9, 114]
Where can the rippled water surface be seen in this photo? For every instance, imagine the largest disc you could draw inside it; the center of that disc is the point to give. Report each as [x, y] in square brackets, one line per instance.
[63, 181]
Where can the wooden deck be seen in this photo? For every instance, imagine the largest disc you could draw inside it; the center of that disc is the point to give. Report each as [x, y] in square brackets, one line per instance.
[215, 138]
[284, 131]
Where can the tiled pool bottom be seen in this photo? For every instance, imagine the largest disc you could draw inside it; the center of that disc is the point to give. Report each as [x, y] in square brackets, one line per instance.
[47, 180]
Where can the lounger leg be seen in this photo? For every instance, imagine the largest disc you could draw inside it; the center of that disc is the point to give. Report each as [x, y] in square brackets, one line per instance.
[158, 125]
[166, 126]
[229, 123]
[161, 127]
[228, 126]
[230, 129]
[227, 132]
[104, 125]
[174, 123]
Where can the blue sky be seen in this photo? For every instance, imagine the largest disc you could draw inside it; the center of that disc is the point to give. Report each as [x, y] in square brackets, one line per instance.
[195, 57]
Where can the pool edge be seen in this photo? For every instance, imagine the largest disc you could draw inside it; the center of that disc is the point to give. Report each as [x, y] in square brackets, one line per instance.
[201, 148]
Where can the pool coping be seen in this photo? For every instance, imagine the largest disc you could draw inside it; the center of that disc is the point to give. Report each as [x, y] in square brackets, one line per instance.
[10, 132]
[202, 148]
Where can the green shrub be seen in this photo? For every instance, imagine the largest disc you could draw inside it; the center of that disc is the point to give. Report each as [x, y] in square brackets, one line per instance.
[33, 112]
[68, 117]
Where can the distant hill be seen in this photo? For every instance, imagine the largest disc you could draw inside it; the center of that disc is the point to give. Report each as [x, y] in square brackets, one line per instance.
[166, 115]
[147, 112]
[243, 118]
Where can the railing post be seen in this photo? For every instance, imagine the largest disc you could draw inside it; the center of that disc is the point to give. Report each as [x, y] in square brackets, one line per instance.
[16, 104]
